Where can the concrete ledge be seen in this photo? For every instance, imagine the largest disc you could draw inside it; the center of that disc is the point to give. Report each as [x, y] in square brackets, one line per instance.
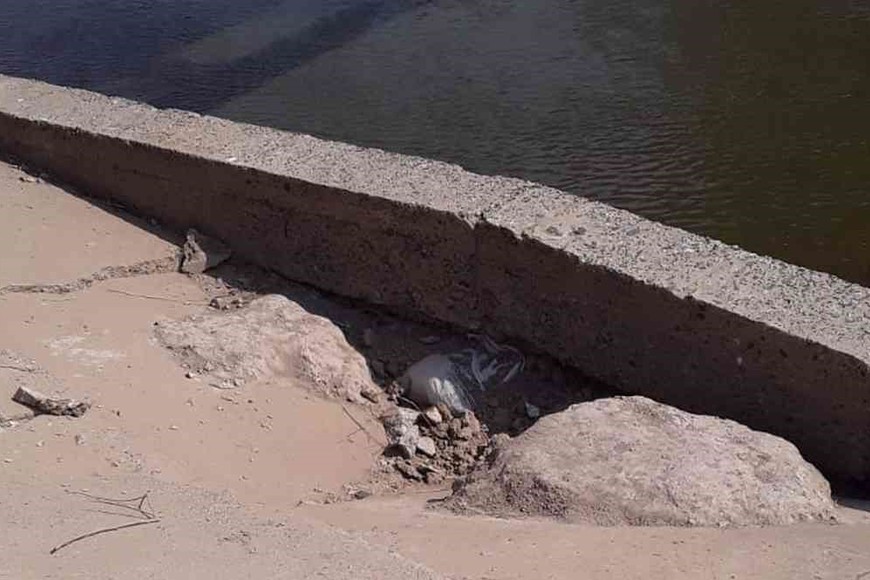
[647, 308]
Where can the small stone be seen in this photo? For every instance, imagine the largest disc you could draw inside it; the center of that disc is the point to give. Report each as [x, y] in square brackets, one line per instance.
[371, 393]
[429, 340]
[426, 446]
[445, 411]
[361, 494]
[469, 421]
[173, 427]
[399, 421]
[433, 477]
[402, 430]
[432, 416]
[407, 443]
[408, 470]
[80, 439]
[225, 302]
[190, 375]
[532, 411]
[201, 253]
[441, 431]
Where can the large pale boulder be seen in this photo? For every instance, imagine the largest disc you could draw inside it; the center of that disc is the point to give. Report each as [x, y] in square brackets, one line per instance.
[271, 337]
[632, 461]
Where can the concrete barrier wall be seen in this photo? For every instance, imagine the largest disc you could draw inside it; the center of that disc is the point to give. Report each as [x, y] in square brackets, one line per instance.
[647, 308]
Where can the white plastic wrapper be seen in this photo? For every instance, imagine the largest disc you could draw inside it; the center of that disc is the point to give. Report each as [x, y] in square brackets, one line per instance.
[459, 379]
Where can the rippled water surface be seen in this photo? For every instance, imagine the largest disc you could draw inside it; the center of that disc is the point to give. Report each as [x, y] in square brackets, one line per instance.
[745, 120]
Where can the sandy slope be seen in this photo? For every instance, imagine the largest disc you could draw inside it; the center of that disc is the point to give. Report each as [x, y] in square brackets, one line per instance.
[227, 470]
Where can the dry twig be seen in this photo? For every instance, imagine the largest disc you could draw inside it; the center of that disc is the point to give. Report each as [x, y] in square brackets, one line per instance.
[102, 531]
[151, 297]
[136, 507]
[17, 368]
[361, 427]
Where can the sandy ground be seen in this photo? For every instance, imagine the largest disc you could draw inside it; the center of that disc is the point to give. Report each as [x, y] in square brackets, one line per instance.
[237, 478]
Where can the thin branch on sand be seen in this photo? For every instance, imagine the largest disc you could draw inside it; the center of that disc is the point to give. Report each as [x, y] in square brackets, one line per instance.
[135, 507]
[56, 549]
[152, 297]
[16, 368]
[360, 425]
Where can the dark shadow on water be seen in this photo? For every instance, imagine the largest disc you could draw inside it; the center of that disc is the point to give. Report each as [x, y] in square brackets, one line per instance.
[135, 52]
[179, 83]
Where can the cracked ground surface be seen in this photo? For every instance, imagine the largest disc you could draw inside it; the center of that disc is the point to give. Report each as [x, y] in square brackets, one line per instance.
[235, 477]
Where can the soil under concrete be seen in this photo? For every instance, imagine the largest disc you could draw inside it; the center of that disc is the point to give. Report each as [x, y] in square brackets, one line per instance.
[238, 478]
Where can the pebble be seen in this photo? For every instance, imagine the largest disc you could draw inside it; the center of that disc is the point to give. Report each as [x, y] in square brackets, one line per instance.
[426, 446]
[408, 470]
[402, 430]
[433, 415]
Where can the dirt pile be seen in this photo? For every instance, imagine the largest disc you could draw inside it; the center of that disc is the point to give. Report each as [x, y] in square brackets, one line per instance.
[632, 461]
[270, 337]
[434, 445]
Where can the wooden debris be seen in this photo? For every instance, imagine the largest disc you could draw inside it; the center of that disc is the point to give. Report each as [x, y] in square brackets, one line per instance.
[50, 406]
